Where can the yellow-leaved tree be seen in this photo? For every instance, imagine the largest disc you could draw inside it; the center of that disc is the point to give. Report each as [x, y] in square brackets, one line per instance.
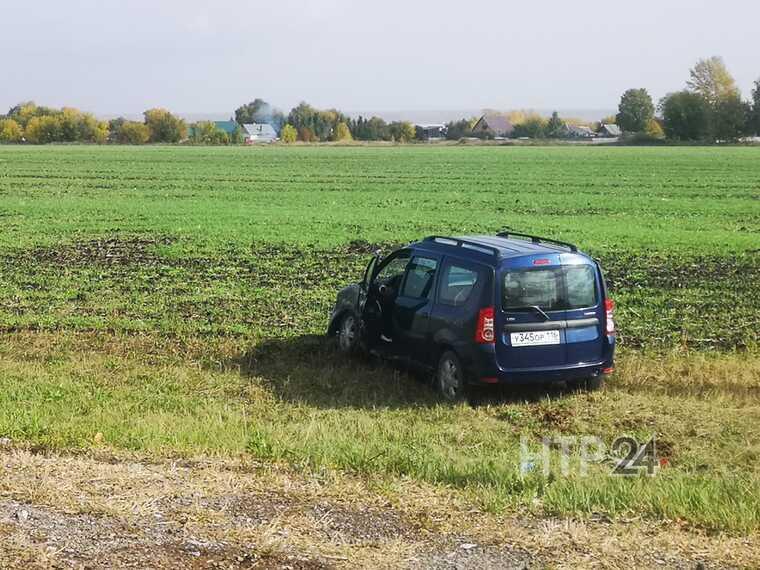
[10, 131]
[288, 134]
[342, 132]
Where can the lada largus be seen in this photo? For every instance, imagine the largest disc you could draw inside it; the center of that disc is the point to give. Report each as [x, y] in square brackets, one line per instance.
[505, 309]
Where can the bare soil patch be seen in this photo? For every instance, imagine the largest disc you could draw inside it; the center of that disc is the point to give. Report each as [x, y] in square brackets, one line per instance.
[106, 511]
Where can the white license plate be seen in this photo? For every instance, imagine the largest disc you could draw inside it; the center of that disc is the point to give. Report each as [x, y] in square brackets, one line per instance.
[534, 338]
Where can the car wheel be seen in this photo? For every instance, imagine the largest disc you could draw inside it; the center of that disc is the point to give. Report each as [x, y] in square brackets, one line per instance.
[348, 334]
[449, 377]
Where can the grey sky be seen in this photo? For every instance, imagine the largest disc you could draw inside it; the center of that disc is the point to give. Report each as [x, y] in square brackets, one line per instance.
[190, 56]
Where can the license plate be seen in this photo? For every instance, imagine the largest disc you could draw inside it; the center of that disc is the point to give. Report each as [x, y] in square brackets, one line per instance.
[534, 338]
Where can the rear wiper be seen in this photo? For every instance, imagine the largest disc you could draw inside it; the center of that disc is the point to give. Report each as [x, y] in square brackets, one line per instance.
[539, 311]
[534, 308]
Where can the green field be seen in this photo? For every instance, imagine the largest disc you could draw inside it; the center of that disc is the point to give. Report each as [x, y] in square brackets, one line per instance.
[169, 301]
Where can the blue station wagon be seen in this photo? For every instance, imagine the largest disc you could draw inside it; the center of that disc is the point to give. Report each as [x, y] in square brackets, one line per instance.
[505, 309]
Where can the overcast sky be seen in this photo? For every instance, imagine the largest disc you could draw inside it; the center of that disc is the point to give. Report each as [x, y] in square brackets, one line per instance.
[193, 56]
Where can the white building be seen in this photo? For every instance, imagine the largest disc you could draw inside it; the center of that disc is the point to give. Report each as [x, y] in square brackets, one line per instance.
[259, 133]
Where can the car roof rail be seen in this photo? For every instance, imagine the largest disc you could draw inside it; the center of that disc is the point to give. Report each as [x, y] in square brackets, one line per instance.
[536, 239]
[464, 243]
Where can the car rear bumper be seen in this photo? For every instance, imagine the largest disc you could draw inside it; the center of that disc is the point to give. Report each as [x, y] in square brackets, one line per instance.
[484, 370]
[548, 374]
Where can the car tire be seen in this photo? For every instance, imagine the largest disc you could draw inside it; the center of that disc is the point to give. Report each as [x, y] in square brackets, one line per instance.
[348, 334]
[449, 377]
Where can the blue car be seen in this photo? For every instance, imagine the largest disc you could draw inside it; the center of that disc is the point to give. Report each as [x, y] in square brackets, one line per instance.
[477, 310]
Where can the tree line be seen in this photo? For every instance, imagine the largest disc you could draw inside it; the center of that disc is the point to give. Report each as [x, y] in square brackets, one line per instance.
[710, 108]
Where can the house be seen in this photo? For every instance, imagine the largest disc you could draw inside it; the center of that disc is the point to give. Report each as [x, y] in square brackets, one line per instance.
[608, 130]
[496, 126]
[230, 128]
[579, 132]
[433, 132]
[259, 133]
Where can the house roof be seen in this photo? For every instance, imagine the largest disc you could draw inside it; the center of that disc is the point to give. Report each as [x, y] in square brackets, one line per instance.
[612, 129]
[499, 124]
[260, 130]
[228, 127]
[580, 130]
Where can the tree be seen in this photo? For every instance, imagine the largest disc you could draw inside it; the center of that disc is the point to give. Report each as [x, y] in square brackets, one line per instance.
[685, 116]
[114, 129]
[259, 111]
[321, 123]
[532, 128]
[372, 129]
[341, 132]
[132, 132]
[24, 112]
[164, 127]
[635, 110]
[555, 127]
[730, 118]
[609, 120]
[10, 131]
[305, 134]
[654, 129]
[462, 128]
[711, 79]
[402, 131]
[44, 129]
[288, 134]
[753, 123]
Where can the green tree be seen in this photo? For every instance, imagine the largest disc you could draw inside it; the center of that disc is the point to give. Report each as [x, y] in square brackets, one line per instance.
[164, 127]
[555, 127]
[685, 116]
[753, 123]
[729, 118]
[462, 128]
[288, 134]
[635, 110]
[532, 128]
[372, 129]
[114, 129]
[132, 132]
[711, 79]
[341, 132]
[10, 131]
[319, 123]
[402, 131]
[206, 132]
[259, 111]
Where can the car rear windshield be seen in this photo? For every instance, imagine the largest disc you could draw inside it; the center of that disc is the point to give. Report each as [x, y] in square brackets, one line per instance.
[550, 288]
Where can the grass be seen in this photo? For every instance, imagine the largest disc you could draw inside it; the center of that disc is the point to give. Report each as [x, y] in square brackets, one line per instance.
[169, 301]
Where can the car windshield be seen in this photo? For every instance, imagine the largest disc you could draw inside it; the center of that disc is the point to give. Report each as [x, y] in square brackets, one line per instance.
[550, 288]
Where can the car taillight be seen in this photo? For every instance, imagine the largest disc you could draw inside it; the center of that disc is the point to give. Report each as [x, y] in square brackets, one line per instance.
[609, 307]
[484, 334]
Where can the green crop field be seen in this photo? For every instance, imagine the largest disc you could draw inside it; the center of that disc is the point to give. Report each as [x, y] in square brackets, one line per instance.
[170, 301]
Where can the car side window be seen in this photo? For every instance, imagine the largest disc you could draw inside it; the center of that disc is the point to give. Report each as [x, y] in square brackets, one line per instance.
[419, 278]
[392, 272]
[457, 283]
